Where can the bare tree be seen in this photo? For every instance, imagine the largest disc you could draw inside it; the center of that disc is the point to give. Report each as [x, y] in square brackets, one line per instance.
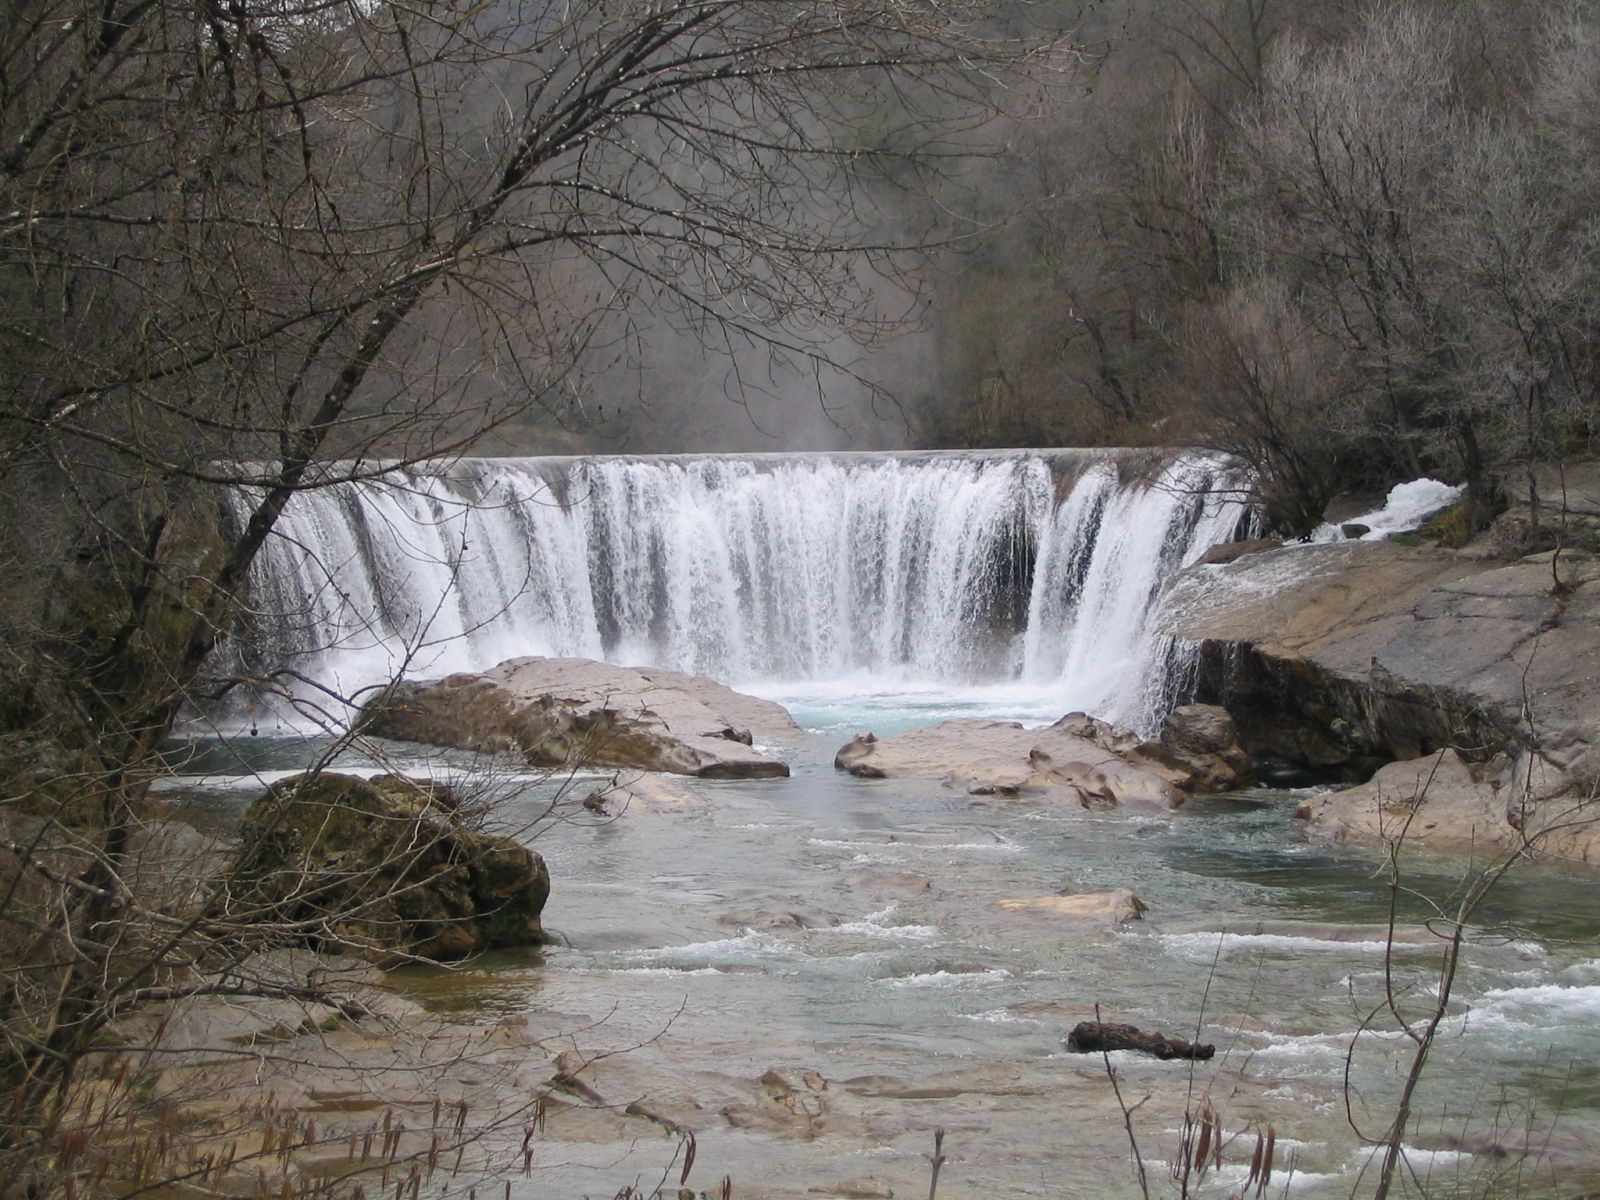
[1268, 389]
[253, 247]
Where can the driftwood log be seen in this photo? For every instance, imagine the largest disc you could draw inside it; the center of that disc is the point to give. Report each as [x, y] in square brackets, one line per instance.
[1091, 1037]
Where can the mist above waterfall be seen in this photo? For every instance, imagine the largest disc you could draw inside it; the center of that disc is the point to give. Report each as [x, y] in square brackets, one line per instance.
[1038, 568]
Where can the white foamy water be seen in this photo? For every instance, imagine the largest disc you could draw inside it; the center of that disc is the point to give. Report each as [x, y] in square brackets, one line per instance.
[1407, 506]
[1200, 946]
[917, 572]
[950, 979]
[1542, 1007]
[995, 1016]
[882, 924]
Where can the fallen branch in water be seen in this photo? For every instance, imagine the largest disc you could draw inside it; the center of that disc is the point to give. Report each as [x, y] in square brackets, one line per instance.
[1093, 1037]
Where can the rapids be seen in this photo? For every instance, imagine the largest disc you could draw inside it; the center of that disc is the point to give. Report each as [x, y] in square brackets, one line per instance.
[719, 941]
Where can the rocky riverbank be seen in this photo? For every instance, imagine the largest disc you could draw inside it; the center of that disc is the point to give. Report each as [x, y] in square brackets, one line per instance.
[1346, 658]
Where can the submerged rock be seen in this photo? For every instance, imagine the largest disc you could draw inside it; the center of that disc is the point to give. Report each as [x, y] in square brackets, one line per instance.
[1079, 759]
[383, 868]
[1114, 908]
[572, 712]
[854, 1189]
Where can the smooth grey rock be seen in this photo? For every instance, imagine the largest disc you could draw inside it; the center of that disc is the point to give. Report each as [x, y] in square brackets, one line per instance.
[1350, 656]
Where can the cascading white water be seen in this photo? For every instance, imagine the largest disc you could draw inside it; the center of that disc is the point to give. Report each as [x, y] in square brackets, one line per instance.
[944, 568]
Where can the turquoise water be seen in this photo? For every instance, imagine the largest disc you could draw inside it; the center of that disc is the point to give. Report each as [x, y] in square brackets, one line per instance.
[855, 929]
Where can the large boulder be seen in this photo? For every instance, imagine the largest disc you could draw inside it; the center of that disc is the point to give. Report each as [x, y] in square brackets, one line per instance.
[1348, 657]
[1444, 802]
[385, 868]
[1438, 800]
[573, 712]
[1079, 759]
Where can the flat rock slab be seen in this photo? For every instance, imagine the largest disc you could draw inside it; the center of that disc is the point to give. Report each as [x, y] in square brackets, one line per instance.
[572, 712]
[1112, 909]
[1078, 759]
[1348, 657]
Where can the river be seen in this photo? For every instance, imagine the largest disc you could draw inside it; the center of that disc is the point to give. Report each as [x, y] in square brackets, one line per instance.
[815, 973]
[851, 931]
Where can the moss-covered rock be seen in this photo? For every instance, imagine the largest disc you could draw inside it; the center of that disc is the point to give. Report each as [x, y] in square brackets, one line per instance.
[40, 777]
[567, 712]
[1453, 527]
[384, 868]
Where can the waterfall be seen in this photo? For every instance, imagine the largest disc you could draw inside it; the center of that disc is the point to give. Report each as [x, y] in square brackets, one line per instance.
[1041, 567]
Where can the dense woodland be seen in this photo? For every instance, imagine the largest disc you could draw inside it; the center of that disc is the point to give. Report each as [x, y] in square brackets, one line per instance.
[1351, 242]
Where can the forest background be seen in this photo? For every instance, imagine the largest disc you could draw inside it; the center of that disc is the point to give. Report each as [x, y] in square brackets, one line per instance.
[1351, 242]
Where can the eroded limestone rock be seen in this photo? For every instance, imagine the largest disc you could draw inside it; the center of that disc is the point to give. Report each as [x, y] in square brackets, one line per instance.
[1078, 759]
[1439, 800]
[566, 712]
[1443, 802]
[1349, 657]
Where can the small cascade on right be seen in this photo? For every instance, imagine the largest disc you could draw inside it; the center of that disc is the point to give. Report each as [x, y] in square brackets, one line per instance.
[1103, 560]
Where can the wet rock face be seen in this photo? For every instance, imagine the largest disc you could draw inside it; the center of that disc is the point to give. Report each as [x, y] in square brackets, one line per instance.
[1299, 713]
[1202, 742]
[1079, 759]
[385, 869]
[569, 712]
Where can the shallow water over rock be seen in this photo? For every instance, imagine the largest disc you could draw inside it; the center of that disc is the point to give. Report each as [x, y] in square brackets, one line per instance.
[815, 973]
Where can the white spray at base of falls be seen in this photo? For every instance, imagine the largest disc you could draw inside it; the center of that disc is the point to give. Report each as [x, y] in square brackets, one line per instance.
[1041, 568]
